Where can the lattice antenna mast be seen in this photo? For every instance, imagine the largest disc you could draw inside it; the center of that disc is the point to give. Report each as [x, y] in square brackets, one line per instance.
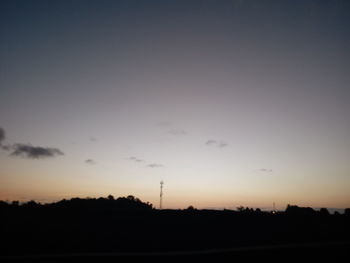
[161, 195]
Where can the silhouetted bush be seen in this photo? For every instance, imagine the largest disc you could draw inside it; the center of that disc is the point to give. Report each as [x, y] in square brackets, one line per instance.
[15, 203]
[324, 212]
[31, 204]
[296, 210]
[191, 208]
[3, 204]
[240, 209]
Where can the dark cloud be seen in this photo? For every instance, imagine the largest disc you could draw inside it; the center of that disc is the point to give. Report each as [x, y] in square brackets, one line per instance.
[154, 165]
[92, 139]
[5, 147]
[2, 135]
[27, 150]
[90, 161]
[34, 152]
[2, 138]
[220, 144]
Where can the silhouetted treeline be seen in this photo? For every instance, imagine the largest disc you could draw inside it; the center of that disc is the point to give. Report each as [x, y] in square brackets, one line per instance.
[123, 203]
[126, 224]
[133, 203]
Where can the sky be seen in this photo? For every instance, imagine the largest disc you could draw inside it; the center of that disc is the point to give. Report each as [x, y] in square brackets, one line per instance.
[229, 102]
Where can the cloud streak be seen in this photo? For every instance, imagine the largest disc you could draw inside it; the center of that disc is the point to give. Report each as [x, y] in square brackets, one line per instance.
[34, 152]
[133, 158]
[216, 143]
[149, 165]
[177, 132]
[168, 128]
[265, 170]
[90, 161]
[154, 165]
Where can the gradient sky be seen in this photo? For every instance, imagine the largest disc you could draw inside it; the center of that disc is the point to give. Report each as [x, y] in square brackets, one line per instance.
[229, 102]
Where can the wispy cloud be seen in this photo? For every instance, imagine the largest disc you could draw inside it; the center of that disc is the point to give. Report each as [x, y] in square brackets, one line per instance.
[135, 159]
[211, 142]
[177, 132]
[216, 143]
[155, 165]
[169, 128]
[34, 152]
[265, 170]
[90, 161]
[147, 164]
[223, 144]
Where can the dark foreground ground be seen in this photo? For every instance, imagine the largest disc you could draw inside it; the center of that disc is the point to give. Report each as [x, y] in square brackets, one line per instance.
[314, 252]
[71, 233]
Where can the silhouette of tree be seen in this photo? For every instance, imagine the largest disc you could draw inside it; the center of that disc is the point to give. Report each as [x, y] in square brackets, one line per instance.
[296, 210]
[240, 208]
[31, 204]
[324, 212]
[149, 204]
[131, 197]
[110, 197]
[190, 208]
[248, 210]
